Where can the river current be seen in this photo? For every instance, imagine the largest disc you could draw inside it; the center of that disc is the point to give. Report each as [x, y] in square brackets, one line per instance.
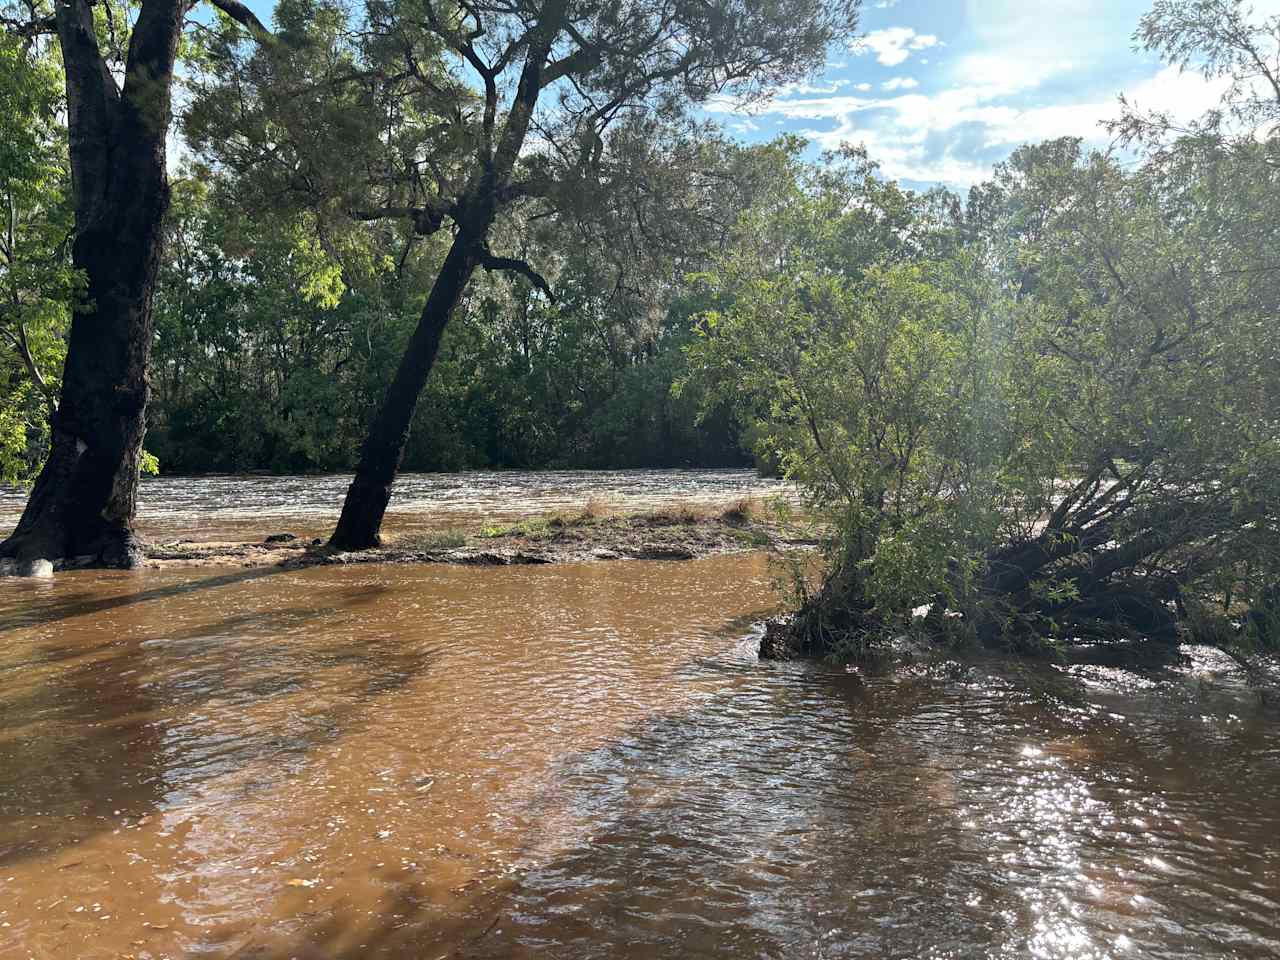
[236, 506]
[588, 761]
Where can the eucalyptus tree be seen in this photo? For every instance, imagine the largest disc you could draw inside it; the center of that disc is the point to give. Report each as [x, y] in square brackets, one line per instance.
[476, 112]
[119, 72]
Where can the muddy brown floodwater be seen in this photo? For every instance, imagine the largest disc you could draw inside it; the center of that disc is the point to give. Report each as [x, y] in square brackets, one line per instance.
[588, 761]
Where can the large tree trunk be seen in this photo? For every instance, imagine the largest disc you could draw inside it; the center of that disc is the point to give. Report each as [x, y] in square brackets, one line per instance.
[84, 501]
[370, 491]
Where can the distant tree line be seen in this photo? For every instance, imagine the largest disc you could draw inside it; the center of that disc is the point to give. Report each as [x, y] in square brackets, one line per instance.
[273, 348]
[402, 143]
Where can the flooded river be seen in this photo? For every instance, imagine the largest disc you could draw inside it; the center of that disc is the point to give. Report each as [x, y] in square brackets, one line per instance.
[226, 507]
[588, 761]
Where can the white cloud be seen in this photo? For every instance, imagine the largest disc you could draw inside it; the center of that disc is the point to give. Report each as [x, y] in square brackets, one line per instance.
[947, 136]
[791, 89]
[1018, 71]
[1006, 72]
[893, 45]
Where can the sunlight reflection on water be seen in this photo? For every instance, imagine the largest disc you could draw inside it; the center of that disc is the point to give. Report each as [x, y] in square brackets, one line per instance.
[588, 761]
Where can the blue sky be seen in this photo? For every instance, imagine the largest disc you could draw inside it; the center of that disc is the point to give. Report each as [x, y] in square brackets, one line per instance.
[940, 90]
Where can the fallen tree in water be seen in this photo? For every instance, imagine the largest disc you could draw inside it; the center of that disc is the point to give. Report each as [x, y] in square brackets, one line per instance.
[1129, 567]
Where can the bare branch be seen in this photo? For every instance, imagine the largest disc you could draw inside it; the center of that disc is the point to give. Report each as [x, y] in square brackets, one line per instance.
[521, 267]
[242, 15]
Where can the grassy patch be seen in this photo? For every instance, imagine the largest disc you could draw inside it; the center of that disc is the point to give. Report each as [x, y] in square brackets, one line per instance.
[534, 528]
[751, 538]
[547, 527]
[433, 540]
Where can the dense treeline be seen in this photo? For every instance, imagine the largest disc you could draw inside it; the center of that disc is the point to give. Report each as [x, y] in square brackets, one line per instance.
[272, 350]
[398, 151]
[280, 315]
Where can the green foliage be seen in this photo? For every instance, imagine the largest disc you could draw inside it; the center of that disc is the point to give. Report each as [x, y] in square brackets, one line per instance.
[1221, 38]
[1049, 409]
[37, 284]
[868, 375]
[271, 353]
[380, 128]
[251, 375]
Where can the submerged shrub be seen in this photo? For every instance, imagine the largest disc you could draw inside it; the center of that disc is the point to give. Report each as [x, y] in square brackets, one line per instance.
[1047, 414]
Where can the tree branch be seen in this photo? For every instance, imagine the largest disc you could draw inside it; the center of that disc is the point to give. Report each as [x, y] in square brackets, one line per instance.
[512, 265]
[242, 15]
[426, 220]
[27, 29]
[526, 188]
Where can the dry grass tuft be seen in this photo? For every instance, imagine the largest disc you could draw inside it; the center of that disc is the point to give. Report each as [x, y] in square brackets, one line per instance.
[598, 508]
[593, 511]
[679, 514]
[743, 511]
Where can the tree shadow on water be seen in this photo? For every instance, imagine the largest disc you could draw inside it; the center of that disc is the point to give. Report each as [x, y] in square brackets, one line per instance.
[688, 833]
[638, 889]
[46, 609]
[115, 731]
[823, 827]
[410, 926]
[639, 846]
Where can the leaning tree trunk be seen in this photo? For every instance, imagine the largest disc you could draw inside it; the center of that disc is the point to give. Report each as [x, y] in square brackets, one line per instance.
[84, 500]
[370, 491]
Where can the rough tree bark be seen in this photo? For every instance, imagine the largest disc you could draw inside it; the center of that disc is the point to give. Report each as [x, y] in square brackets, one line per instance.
[84, 500]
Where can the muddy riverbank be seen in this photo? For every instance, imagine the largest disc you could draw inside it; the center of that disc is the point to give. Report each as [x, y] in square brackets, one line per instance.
[593, 533]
